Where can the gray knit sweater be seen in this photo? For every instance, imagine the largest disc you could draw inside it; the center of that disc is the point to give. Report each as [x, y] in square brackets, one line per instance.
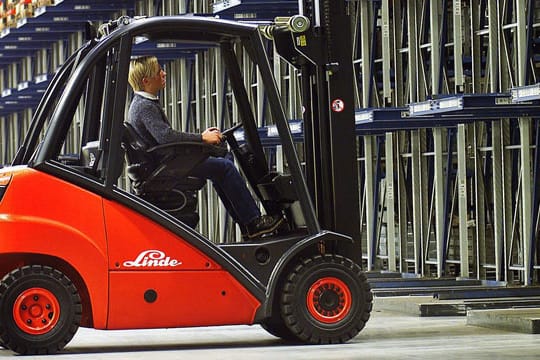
[150, 122]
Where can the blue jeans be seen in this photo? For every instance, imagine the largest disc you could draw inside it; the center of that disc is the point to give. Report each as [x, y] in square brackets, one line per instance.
[230, 187]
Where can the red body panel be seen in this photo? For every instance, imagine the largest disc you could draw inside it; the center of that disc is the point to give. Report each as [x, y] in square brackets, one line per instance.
[191, 289]
[41, 214]
[184, 298]
[131, 234]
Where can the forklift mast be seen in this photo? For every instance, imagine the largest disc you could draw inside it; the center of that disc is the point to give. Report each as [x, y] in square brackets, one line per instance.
[323, 55]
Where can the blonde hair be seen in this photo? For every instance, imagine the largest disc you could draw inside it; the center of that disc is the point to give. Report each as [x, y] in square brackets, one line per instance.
[140, 68]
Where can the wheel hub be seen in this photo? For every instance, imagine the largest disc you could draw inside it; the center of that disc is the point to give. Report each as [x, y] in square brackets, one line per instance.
[329, 300]
[36, 311]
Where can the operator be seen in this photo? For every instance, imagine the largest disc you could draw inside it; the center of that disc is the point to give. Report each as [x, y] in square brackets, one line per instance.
[148, 119]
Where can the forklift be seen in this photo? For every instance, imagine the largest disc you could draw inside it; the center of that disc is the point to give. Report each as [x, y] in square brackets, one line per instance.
[78, 249]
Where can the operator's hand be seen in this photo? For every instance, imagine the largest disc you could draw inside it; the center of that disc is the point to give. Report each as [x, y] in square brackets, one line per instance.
[212, 135]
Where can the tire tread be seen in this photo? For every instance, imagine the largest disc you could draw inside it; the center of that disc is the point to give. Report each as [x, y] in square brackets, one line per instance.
[26, 348]
[310, 334]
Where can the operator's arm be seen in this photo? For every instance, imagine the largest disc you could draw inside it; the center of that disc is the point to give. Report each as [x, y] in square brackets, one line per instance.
[148, 115]
[212, 135]
[163, 132]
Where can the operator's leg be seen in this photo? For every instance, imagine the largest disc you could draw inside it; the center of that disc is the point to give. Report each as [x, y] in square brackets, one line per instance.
[236, 197]
[227, 204]
[230, 187]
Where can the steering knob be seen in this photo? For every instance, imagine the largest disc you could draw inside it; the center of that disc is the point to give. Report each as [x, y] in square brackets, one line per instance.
[230, 130]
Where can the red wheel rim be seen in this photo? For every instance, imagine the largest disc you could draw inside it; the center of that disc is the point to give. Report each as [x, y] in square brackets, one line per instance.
[36, 311]
[329, 300]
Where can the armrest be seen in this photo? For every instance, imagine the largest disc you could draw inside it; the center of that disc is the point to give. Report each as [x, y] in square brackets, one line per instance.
[191, 148]
[178, 159]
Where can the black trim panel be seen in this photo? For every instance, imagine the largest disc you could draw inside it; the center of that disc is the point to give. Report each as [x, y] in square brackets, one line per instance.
[292, 253]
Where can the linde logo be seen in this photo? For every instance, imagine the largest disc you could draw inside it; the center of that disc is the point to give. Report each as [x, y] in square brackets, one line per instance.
[151, 258]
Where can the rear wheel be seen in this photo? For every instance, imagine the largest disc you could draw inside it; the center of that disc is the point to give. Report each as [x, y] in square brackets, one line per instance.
[40, 310]
[326, 299]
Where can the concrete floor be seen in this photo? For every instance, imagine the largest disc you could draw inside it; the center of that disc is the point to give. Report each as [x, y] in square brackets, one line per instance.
[388, 335]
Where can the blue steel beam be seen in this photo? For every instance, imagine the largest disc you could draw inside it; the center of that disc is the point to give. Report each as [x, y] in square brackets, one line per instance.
[450, 176]
[487, 292]
[30, 37]
[74, 11]
[376, 7]
[254, 10]
[442, 46]
[13, 106]
[166, 51]
[535, 231]
[42, 28]
[476, 107]
[400, 283]
[191, 91]
[22, 46]
[531, 11]
[26, 95]
[378, 177]
[95, 6]
[13, 55]
[64, 18]
[68, 16]
[53, 23]
[49, 24]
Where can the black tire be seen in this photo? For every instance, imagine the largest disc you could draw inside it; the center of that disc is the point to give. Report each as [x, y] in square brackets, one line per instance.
[276, 326]
[40, 310]
[326, 300]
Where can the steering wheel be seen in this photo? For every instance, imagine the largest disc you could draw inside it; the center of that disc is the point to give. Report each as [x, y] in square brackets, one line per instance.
[231, 130]
[220, 150]
[229, 137]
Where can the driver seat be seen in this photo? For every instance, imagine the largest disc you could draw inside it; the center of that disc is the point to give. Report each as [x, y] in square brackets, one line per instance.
[159, 174]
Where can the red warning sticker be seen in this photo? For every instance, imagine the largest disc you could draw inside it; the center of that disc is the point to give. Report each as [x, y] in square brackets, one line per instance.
[338, 105]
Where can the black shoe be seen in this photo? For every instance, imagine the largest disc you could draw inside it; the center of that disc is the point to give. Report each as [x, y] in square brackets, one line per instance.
[263, 225]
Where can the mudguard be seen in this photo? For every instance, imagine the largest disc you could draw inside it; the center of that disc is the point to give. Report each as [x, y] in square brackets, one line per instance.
[43, 216]
[291, 255]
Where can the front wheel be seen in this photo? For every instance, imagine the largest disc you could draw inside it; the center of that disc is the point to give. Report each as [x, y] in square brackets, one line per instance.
[40, 310]
[325, 300]
[277, 327]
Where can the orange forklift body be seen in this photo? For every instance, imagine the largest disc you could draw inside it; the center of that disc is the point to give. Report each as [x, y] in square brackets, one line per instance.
[77, 248]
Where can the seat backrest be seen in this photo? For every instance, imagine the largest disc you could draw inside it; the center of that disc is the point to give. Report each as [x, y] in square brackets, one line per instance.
[135, 146]
[162, 167]
[141, 164]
